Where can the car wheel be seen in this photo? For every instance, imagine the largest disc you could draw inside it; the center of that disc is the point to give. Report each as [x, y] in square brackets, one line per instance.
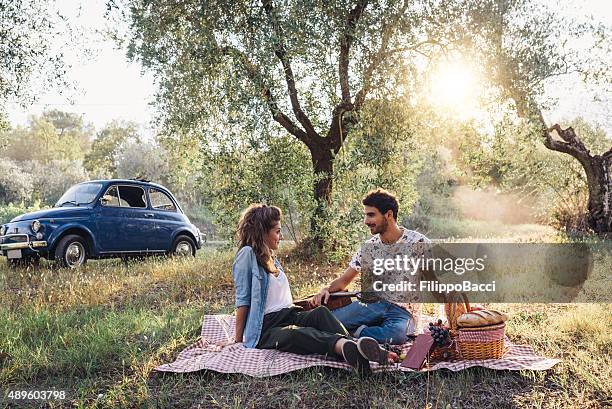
[183, 247]
[71, 251]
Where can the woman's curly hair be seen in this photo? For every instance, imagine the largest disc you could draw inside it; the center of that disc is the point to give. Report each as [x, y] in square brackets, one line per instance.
[255, 222]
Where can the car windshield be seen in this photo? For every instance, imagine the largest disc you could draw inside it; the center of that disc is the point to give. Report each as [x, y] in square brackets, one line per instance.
[83, 193]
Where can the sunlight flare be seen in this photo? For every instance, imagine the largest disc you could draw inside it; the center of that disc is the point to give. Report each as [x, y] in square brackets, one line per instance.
[454, 87]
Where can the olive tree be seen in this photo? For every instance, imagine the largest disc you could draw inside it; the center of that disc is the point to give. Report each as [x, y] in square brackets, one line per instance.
[101, 160]
[27, 53]
[142, 160]
[308, 67]
[523, 44]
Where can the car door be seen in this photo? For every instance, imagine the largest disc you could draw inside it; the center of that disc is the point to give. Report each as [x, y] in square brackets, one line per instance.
[167, 217]
[108, 221]
[126, 223]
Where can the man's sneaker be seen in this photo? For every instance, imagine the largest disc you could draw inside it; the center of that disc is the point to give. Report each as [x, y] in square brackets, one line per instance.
[353, 357]
[372, 351]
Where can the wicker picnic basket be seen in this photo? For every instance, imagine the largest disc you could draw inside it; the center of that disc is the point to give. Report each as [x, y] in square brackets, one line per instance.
[482, 342]
[485, 342]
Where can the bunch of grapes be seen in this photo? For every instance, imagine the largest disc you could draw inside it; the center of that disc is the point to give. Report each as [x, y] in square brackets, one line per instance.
[440, 334]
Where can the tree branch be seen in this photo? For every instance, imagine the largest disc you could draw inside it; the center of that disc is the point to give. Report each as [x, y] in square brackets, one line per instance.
[338, 124]
[415, 47]
[572, 145]
[346, 40]
[608, 155]
[281, 53]
[254, 75]
[336, 132]
[570, 137]
[379, 56]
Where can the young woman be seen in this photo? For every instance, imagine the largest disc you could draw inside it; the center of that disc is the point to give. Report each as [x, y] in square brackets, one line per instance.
[266, 317]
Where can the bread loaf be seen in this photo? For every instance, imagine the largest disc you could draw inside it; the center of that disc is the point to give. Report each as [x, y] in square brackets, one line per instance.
[481, 318]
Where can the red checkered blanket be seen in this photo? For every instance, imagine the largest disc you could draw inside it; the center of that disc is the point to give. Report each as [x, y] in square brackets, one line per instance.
[235, 358]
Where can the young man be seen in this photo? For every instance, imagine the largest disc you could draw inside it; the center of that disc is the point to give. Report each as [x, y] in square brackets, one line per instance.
[382, 320]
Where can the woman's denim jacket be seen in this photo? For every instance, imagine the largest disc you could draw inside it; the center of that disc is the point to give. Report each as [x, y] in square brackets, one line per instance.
[251, 283]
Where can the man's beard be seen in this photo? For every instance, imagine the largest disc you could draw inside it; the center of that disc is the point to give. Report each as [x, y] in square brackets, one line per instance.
[381, 228]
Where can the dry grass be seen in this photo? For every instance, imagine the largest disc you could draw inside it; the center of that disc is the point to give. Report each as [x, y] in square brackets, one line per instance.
[99, 332]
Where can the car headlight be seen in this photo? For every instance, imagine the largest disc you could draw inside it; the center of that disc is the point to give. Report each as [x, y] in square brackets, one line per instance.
[2, 230]
[35, 226]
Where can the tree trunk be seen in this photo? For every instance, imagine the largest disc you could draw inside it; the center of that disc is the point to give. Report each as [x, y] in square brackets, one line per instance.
[600, 195]
[597, 169]
[323, 169]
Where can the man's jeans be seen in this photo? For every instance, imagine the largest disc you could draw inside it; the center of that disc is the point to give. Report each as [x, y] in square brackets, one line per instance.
[381, 320]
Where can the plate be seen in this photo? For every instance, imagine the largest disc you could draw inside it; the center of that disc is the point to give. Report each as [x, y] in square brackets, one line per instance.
[13, 253]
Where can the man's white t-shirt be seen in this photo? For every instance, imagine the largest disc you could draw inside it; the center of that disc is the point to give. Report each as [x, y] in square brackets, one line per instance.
[409, 237]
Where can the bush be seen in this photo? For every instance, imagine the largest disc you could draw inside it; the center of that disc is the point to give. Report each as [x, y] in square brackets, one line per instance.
[10, 211]
[51, 180]
[435, 189]
[140, 159]
[277, 174]
[16, 184]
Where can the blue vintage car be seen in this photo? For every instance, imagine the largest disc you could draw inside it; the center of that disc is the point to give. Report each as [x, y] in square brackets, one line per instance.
[101, 219]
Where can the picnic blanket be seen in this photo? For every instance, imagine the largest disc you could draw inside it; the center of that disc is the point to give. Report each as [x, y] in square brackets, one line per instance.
[235, 358]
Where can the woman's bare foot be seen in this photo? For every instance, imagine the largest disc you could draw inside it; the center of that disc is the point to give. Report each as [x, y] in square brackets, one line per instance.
[392, 357]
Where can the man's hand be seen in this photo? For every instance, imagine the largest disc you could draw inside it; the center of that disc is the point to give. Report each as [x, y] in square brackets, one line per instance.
[320, 298]
[339, 284]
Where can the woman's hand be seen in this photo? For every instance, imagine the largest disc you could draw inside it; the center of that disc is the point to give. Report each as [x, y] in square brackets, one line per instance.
[226, 342]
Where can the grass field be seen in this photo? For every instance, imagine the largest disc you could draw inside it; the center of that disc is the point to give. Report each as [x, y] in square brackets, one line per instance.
[98, 332]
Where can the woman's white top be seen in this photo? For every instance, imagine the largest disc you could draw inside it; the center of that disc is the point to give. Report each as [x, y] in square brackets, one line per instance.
[279, 294]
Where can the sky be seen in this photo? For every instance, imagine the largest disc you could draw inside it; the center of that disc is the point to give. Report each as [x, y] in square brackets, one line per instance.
[109, 87]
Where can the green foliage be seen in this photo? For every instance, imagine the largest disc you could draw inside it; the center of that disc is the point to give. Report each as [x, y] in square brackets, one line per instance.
[51, 180]
[277, 173]
[514, 159]
[100, 162]
[29, 60]
[31, 181]
[43, 142]
[184, 160]
[43, 159]
[15, 185]
[143, 160]
[10, 211]
[205, 54]
[381, 153]
[4, 128]
[435, 185]
[247, 72]
[70, 128]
